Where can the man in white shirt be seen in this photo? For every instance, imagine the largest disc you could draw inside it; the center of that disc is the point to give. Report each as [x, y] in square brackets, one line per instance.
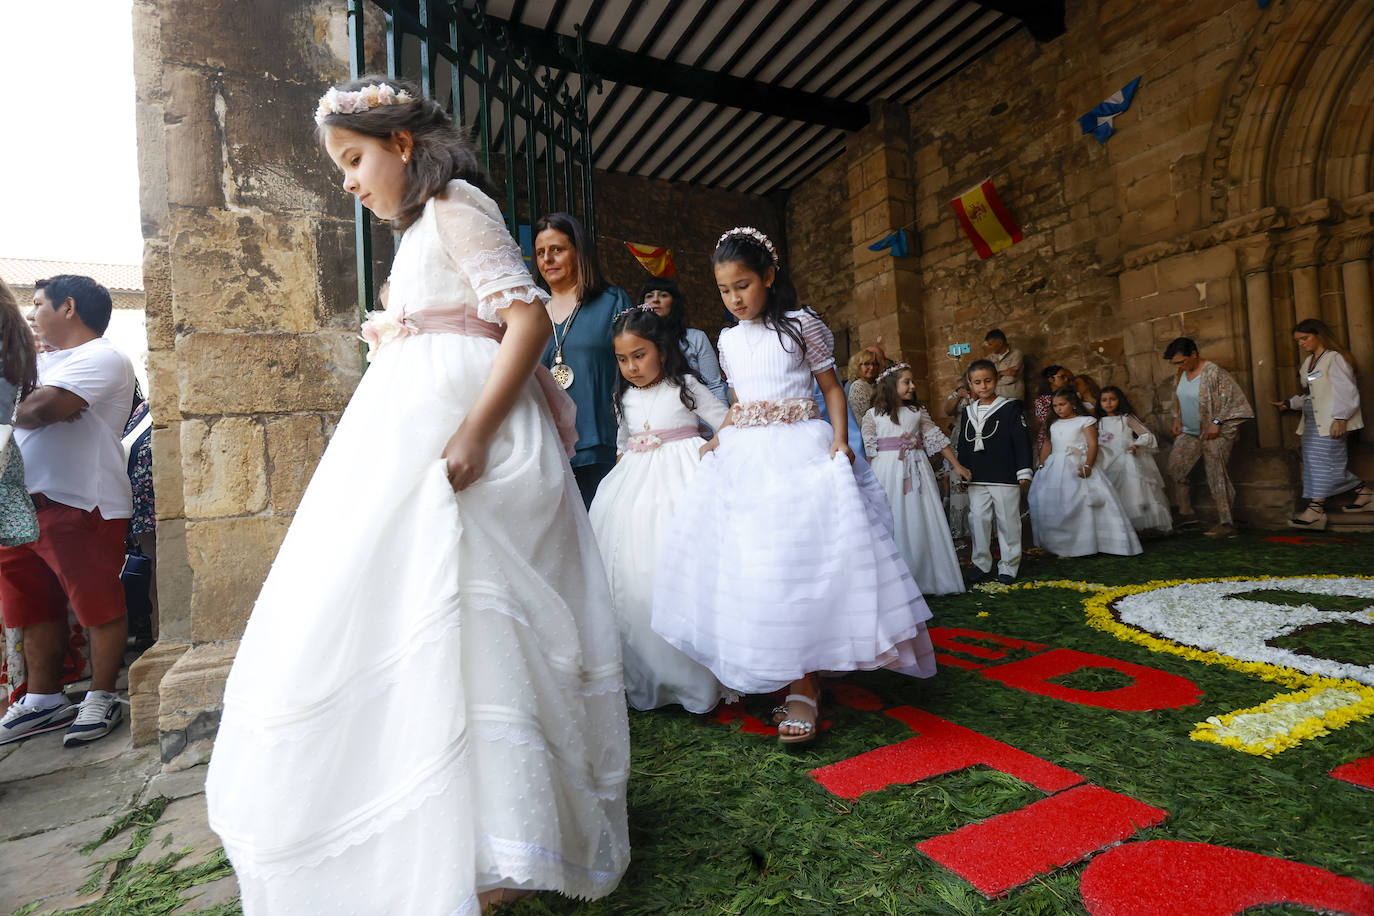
[68, 431]
[1009, 362]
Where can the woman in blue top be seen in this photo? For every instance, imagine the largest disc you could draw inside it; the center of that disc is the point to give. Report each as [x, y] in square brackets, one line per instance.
[580, 354]
[662, 296]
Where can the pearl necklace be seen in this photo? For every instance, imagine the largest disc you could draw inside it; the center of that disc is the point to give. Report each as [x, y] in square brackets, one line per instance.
[658, 386]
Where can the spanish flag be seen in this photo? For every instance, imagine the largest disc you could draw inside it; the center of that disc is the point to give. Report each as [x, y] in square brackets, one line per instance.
[985, 219]
[656, 259]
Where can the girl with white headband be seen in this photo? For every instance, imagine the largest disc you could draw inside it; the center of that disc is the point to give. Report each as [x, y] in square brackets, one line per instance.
[900, 438]
[426, 714]
[784, 563]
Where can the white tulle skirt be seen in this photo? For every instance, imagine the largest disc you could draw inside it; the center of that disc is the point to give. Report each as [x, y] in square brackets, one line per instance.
[783, 564]
[630, 516]
[427, 701]
[1140, 487]
[1074, 516]
[921, 530]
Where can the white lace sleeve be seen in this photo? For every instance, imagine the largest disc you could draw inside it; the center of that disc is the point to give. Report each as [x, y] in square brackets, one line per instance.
[932, 436]
[1143, 437]
[484, 252]
[820, 343]
[869, 430]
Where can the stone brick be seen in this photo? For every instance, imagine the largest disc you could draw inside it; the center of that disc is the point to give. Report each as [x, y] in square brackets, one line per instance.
[173, 582]
[190, 697]
[194, 161]
[230, 558]
[294, 446]
[157, 296]
[163, 385]
[167, 479]
[225, 467]
[144, 676]
[243, 271]
[301, 42]
[266, 373]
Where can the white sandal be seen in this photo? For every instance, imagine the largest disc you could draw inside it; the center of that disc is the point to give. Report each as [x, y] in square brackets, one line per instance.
[808, 729]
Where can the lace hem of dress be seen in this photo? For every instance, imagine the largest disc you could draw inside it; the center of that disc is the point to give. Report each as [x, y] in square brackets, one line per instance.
[607, 787]
[530, 864]
[368, 821]
[385, 672]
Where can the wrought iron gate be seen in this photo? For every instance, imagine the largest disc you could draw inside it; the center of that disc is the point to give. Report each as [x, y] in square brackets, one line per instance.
[528, 118]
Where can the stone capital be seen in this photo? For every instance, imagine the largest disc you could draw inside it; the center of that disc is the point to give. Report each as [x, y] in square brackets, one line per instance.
[1355, 239]
[1255, 253]
[1303, 248]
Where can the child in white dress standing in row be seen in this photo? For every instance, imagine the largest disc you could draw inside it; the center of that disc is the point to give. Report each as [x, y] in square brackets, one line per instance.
[900, 437]
[1075, 512]
[1126, 455]
[658, 401]
[784, 563]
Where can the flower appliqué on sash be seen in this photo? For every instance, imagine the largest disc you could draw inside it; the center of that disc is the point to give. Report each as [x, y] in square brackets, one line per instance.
[643, 442]
[381, 328]
[766, 413]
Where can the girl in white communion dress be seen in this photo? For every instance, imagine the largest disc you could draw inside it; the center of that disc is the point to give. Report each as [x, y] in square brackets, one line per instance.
[658, 403]
[1127, 449]
[425, 714]
[1074, 510]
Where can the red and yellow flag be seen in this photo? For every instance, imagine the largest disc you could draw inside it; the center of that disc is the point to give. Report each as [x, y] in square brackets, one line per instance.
[985, 219]
[656, 259]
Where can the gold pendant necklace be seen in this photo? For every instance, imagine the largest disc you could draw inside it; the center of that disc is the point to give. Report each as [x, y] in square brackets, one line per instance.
[562, 373]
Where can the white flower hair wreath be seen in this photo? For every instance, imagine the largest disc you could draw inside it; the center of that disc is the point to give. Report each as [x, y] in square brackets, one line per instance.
[337, 101]
[756, 235]
[891, 370]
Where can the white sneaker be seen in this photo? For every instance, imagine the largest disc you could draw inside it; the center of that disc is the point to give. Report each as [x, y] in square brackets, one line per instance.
[21, 721]
[98, 716]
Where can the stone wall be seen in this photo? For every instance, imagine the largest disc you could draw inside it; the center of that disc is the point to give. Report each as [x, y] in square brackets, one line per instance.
[248, 270]
[1234, 199]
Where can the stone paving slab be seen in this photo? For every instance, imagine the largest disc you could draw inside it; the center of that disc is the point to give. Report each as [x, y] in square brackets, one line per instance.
[72, 795]
[204, 896]
[49, 867]
[45, 754]
[174, 785]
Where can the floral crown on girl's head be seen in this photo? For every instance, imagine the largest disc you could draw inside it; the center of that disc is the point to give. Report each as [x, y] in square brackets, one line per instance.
[338, 101]
[891, 370]
[756, 235]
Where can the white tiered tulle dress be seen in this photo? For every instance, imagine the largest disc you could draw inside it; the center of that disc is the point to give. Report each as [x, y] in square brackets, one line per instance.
[1136, 478]
[1074, 516]
[918, 513]
[784, 561]
[427, 701]
[630, 516]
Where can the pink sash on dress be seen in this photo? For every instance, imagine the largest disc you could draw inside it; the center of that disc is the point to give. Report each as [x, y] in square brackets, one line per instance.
[465, 322]
[905, 446]
[651, 439]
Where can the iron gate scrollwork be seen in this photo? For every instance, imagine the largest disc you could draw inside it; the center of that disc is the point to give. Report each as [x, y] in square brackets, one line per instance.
[527, 118]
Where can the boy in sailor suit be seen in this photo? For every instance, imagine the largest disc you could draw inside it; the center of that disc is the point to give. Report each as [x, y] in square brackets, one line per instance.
[993, 442]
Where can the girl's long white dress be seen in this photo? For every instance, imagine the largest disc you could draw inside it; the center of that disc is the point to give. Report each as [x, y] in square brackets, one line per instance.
[1074, 516]
[630, 516]
[1136, 478]
[918, 514]
[784, 561]
[427, 700]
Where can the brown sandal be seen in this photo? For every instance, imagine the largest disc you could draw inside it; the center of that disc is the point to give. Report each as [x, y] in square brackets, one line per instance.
[1313, 518]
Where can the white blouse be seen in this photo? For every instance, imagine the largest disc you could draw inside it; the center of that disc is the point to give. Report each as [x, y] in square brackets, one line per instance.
[761, 367]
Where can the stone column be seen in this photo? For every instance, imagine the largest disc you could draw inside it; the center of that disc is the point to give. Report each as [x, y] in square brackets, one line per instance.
[1255, 255]
[1306, 273]
[253, 320]
[887, 290]
[1359, 310]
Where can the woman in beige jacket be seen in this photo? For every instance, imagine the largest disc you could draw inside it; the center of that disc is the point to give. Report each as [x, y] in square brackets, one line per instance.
[1330, 406]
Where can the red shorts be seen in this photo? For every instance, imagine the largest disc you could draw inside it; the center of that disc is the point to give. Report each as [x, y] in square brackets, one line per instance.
[78, 558]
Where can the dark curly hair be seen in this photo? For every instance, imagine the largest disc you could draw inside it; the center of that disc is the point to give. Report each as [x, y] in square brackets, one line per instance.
[1123, 403]
[441, 153]
[644, 323]
[782, 295]
[1069, 394]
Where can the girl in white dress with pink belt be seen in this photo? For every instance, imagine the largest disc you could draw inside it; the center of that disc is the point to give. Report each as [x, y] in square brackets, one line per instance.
[784, 563]
[900, 438]
[658, 401]
[425, 713]
[1075, 512]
